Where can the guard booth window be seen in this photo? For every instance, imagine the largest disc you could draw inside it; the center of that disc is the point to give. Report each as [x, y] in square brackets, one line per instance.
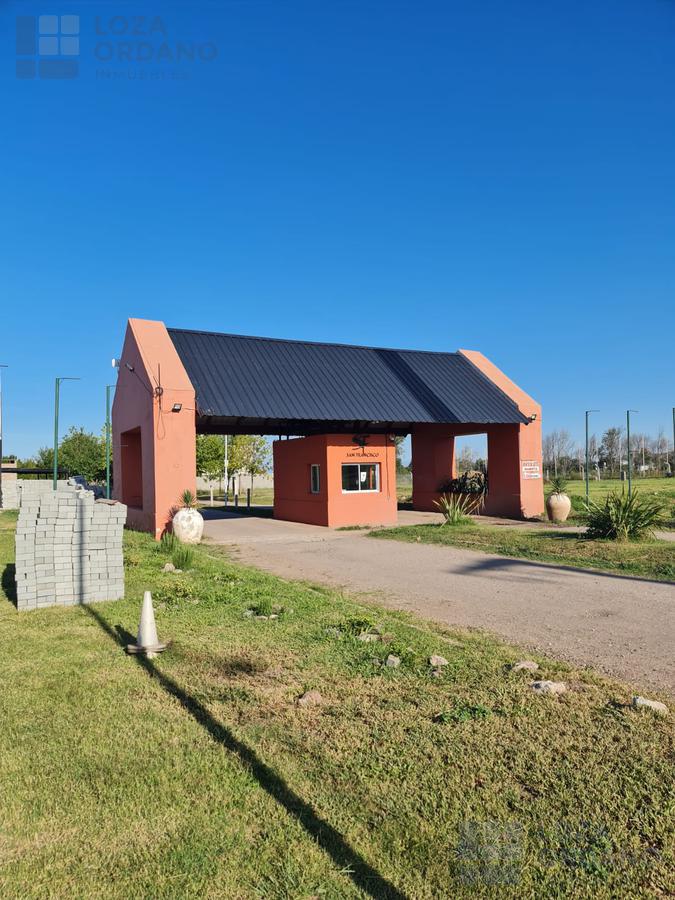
[361, 477]
[315, 479]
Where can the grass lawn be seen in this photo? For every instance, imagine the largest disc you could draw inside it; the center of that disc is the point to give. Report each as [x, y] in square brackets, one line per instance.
[196, 773]
[647, 559]
[598, 490]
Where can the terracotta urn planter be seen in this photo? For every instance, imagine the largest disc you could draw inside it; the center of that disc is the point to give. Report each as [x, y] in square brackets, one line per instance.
[558, 506]
[188, 526]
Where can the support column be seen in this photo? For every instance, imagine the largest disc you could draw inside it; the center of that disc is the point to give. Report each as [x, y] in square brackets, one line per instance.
[153, 423]
[433, 461]
[515, 476]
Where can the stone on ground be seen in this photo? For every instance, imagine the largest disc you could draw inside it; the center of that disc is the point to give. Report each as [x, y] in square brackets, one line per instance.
[310, 698]
[436, 661]
[549, 687]
[392, 661]
[527, 665]
[655, 705]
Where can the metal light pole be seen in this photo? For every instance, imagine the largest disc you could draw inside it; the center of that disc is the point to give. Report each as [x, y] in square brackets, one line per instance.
[6, 367]
[588, 412]
[108, 389]
[57, 391]
[227, 471]
[630, 483]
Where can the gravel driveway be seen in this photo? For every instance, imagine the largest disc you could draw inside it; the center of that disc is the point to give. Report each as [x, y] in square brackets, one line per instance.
[623, 626]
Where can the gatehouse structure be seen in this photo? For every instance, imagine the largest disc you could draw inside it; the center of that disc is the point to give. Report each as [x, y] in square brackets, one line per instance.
[336, 408]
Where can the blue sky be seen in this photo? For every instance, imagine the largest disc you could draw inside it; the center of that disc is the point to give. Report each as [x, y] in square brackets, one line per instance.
[497, 176]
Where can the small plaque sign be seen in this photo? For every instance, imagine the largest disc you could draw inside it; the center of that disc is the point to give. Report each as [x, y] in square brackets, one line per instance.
[531, 468]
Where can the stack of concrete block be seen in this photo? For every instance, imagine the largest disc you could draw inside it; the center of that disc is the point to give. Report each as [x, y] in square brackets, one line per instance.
[9, 494]
[68, 549]
[15, 490]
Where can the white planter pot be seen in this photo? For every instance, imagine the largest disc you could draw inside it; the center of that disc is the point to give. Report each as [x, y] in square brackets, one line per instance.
[558, 507]
[188, 526]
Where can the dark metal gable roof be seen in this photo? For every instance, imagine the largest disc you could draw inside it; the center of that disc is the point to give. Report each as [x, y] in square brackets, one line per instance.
[238, 377]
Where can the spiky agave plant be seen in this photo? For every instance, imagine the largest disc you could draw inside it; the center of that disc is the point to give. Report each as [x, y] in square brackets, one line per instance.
[455, 508]
[188, 500]
[624, 517]
[558, 484]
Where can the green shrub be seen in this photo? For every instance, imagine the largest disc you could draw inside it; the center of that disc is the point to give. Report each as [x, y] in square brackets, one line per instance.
[455, 509]
[169, 542]
[622, 517]
[182, 557]
[467, 483]
[356, 626]
[264, 607]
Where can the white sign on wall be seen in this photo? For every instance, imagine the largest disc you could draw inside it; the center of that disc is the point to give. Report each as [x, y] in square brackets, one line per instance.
[530, 468]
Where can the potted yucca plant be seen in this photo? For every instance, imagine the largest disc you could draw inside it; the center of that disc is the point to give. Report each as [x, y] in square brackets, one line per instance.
[187, 522]
[558, 504]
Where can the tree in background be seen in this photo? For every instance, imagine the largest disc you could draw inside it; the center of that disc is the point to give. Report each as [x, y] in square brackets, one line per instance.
[83, 453]
[80, 453]
[558, 451]
[210, 458]
[256, 455]
[44, 459]
[247, 454]
[398, 441]
[236, 458]
[610, 450]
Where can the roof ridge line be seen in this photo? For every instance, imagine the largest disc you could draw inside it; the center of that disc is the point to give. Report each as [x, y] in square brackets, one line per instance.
[255, 337]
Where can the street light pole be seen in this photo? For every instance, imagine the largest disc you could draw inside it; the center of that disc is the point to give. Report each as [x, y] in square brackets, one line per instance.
[588, 412]
[57, 392]
[108, 389]
[6, 367]
[630, 483]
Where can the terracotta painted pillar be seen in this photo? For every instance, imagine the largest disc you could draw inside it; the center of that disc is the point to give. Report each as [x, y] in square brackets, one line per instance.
[154, 428]
[515, 472]
[433, 461]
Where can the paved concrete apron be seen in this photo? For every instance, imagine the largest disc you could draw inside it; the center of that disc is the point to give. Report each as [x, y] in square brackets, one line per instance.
[624, 626]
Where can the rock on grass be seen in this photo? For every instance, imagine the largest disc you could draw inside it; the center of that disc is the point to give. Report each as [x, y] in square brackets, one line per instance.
[436, 661]
[310, 698]
[527, 665]
[549, 687]
[655, 705]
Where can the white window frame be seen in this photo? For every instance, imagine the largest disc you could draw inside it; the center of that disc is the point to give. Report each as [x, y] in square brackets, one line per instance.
[375, 490]
[315, 467]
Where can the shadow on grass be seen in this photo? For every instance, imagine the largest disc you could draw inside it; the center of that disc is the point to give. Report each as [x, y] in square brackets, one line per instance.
[9, 582]
[328, 838]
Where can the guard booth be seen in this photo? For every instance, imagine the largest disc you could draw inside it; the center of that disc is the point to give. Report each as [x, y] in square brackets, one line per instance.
[336, 410]
[336, 479]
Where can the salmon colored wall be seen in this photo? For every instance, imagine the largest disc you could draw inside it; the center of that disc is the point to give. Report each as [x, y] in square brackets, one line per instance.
[168, 439]
[433, 460]
[518, 451]
[361, 508]
[294, 501]
[513, 452]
